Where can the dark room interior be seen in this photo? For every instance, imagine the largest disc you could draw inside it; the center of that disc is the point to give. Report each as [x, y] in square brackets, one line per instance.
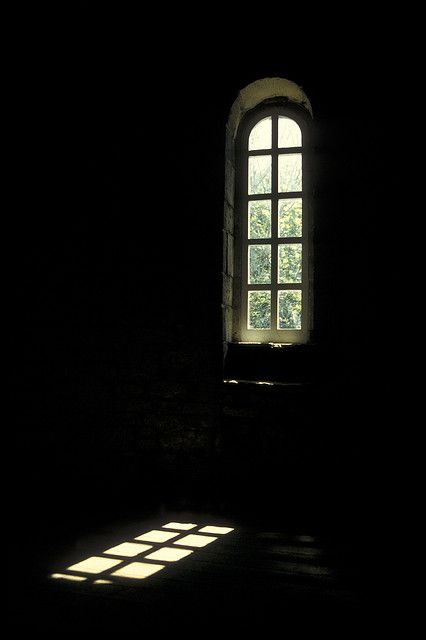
[132, 410]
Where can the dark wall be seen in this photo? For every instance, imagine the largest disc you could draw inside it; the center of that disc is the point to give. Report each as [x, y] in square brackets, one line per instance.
[118, 281]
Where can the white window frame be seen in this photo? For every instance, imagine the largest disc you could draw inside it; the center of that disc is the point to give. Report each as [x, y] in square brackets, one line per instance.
[241, 332]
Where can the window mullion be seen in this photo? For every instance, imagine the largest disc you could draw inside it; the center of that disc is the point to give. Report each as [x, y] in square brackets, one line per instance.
[244, 246]
[274, 223]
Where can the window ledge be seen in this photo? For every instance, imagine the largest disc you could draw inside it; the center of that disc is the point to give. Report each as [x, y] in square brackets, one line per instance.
[270, 363]
[267, 346]
[271, 383]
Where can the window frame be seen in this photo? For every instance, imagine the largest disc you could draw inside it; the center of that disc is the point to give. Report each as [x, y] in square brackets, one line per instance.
[274, 108]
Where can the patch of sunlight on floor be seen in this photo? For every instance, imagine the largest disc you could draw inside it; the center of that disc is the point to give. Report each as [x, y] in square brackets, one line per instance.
[94, 565]
[211, 529]
[184, 526]
[138, 570]
[192, 540]
[168, 554]
[125, 564]
[63, 576]
[157, 536]
[128, 549]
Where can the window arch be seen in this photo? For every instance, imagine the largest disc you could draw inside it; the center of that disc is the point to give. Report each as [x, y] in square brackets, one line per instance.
[267, 232]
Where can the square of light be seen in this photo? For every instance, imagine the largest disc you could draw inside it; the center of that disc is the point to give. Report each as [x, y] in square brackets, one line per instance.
[168, 554]
[94, 565]
[184, 526]
[192, 540]
[221, 530]
[157, 536]
[138, 570]
[128, 549]
[64, 576]
[103, 582]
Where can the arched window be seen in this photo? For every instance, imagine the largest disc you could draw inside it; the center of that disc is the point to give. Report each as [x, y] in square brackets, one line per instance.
[269, 280]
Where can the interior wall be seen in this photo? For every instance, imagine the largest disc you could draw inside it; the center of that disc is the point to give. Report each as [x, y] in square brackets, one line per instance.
[119, 348]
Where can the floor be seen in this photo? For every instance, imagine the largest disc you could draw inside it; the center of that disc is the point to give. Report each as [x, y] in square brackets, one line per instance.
[255, 576]
[301, 554]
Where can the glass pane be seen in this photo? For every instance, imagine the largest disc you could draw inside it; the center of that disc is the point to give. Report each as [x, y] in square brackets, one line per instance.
[259, 219]
[289, 133]
[290, 263]
[259, 264]
[259, 310]
[289, 309]
[289, 172]
[261, 135]
[290, 218]
[260, 174]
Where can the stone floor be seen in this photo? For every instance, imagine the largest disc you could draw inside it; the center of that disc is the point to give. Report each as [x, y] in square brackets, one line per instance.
[261, 574]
